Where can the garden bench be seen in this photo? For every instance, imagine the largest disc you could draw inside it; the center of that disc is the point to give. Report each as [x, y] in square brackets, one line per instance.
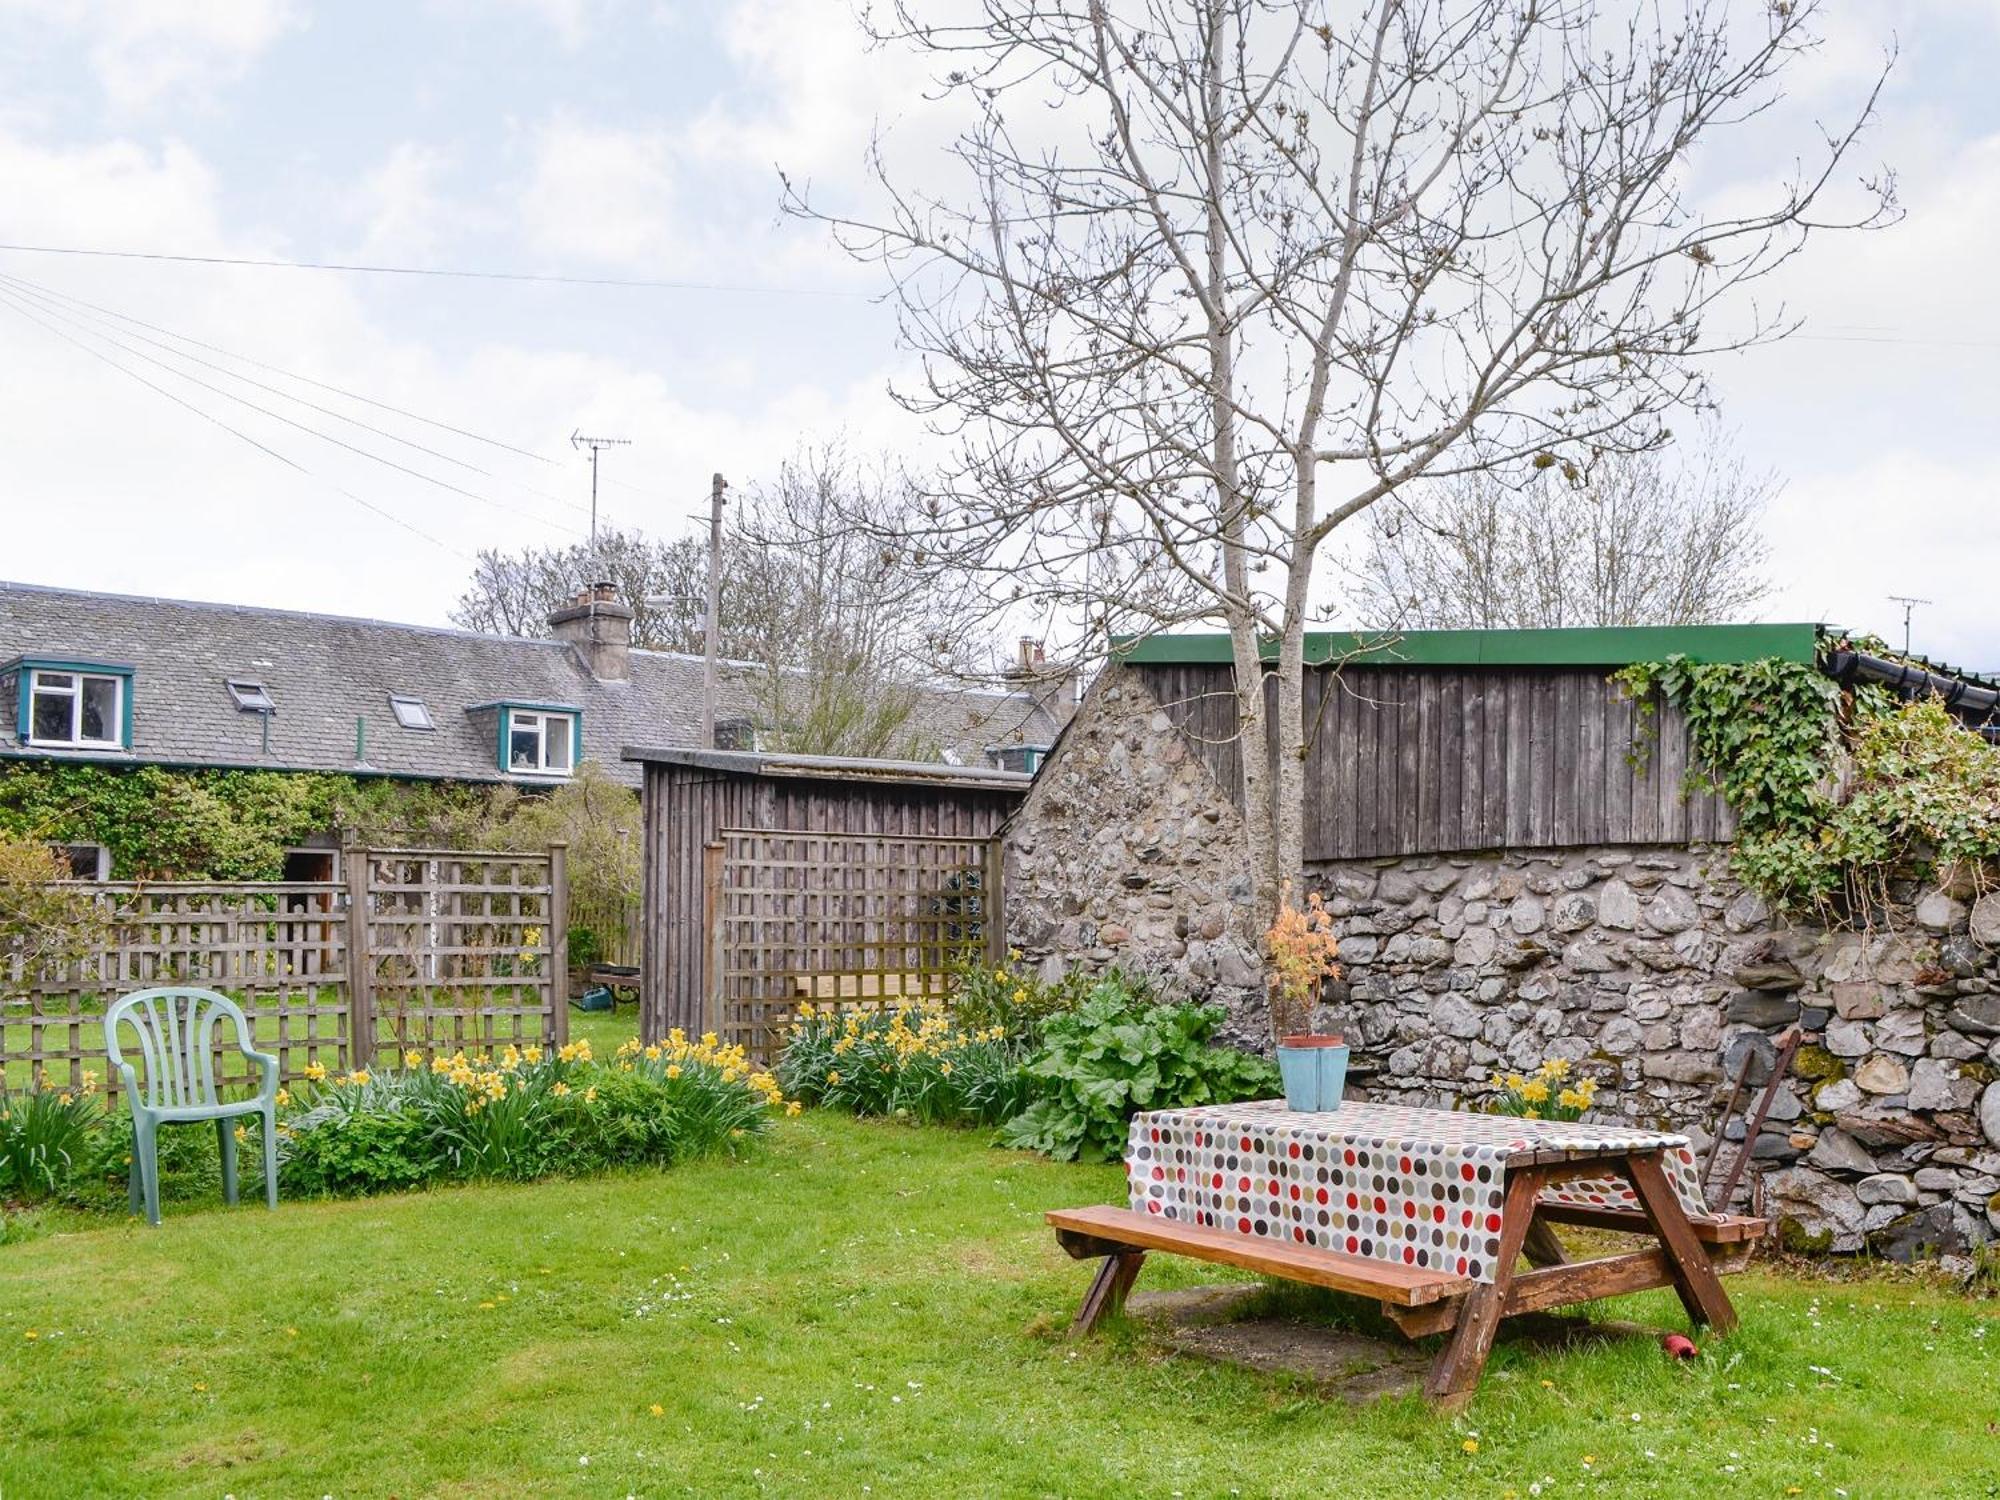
[1260, 1220]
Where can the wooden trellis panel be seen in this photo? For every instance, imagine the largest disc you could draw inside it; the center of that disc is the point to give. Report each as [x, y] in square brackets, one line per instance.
[279, 947]
[858, 920]
[460, 950]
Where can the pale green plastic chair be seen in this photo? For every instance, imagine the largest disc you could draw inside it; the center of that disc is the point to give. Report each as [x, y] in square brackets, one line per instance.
[176, 1030]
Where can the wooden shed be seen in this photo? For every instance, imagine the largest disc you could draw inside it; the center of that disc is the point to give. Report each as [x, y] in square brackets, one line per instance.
[771, 879]
[1440, 741]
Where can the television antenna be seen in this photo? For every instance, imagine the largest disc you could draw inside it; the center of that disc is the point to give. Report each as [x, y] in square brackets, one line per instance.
[594, 444]
[1909, 607]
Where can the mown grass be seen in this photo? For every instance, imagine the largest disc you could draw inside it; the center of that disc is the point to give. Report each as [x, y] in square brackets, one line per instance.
[867, 1309]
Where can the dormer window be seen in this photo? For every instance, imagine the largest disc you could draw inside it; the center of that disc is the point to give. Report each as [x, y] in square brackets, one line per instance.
[73, 705]
[540, 743]
[251, 697]
[532, 739]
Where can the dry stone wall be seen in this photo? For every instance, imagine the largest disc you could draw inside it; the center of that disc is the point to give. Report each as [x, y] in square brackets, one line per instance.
[1651, 968]
[1126, 851]
[1656, 973]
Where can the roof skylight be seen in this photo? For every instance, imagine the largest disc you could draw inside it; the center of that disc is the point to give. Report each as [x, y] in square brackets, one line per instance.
[411, 713]
[251, 697]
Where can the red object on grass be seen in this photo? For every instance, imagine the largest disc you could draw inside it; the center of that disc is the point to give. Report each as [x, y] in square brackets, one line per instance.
[1679, 1346]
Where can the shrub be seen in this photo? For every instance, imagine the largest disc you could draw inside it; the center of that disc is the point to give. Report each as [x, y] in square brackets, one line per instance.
[48, 1137]
[333, 1150]
[1015, 1001]
[1119, 1052]
[44, 922]
[915, 1062]
[521, 1115]
[711, 1101]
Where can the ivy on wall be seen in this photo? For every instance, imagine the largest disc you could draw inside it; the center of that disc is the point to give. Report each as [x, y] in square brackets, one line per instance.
[236, 825]
[1836, 792]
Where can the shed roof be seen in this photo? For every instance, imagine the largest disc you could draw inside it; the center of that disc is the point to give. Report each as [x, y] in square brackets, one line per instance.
[1594, 646]
[836, 768]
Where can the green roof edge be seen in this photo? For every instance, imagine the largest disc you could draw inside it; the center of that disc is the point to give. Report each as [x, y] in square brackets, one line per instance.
[1593, 646]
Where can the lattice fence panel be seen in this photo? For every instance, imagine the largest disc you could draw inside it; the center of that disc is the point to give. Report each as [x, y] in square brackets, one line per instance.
[463, 950]
[859, 921]
[278, 949]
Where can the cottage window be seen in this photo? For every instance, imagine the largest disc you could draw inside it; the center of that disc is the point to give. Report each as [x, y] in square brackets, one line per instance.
[75, 708]
[538, 743]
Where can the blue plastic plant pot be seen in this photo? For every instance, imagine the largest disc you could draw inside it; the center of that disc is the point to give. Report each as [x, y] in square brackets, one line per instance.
[1299, 1068]
[1330, 1075]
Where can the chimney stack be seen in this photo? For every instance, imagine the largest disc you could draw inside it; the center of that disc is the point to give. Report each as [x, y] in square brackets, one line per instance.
[599, 629]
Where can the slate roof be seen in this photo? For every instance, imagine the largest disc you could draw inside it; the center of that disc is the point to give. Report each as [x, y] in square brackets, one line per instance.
[325, 672]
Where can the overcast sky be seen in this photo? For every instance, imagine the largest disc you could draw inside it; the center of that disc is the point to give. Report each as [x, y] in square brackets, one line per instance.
[590, 139]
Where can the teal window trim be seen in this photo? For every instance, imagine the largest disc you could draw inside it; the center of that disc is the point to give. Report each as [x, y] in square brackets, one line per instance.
[24, 669]
[506, 722]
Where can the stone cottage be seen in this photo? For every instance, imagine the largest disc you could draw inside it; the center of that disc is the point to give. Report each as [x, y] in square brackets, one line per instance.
[1517, 871]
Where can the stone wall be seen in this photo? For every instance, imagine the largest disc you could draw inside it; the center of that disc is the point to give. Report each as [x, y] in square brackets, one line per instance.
[1657, 974]
[1126, 851]
[1651, 968]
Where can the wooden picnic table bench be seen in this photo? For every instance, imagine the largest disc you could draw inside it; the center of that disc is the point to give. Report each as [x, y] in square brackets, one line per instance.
[1690, 1252]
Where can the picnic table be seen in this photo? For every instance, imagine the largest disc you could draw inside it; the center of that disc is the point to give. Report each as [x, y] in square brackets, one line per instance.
[1426, 1211]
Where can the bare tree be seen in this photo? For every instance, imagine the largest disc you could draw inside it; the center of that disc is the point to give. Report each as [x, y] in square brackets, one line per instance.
[664, 584]
[847, 632]
[1640, 540]
[852, 629]
[1233, 271]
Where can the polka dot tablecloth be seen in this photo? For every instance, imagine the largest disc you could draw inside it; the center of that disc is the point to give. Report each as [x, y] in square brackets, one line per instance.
[1411, 1187]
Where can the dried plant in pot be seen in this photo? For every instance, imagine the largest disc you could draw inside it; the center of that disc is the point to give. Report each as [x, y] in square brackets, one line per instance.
[1303, 952]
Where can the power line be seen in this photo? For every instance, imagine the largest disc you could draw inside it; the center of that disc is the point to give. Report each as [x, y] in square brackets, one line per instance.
[55, 304]
[110, 312]
[236, 432]
[640, 282]
[342, 391]
[311, 431]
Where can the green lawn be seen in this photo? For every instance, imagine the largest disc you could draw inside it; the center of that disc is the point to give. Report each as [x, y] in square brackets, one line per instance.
[867, 1309]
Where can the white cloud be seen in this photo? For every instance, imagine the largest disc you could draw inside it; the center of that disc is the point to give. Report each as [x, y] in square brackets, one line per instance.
[601, 196]
[145, 50]
[107, 484]
[402, 208]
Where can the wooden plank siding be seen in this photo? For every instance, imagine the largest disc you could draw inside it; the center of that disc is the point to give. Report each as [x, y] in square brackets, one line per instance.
[687, 809]
[1422, 760]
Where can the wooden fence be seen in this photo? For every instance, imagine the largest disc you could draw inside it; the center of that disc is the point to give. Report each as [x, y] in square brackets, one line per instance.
[414, 949]
[460, 950]
[860, 921]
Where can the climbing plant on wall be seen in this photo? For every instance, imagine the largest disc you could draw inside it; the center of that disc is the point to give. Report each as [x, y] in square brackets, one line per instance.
[1837, 792]
[236, 825]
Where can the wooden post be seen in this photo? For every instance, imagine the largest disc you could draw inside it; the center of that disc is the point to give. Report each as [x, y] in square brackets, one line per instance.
[558, 977]
[710, 991]
[1455, 1373]
[994, 903]
[355, 864]
[1695, 1280]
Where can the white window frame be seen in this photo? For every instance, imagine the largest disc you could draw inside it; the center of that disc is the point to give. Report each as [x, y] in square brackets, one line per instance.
[540, 720]
[74, 692]
[412, 712]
